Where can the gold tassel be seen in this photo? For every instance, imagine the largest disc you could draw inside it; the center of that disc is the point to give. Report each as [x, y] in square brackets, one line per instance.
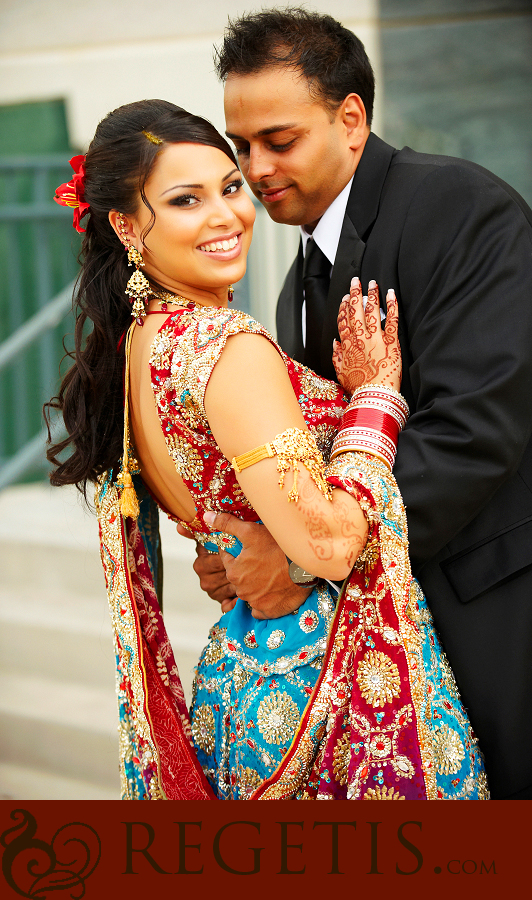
[129, 504]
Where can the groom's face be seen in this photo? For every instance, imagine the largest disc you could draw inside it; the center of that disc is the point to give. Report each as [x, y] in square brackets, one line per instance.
[294, 153]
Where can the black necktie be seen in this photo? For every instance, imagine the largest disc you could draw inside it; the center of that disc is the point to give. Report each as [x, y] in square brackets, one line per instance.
[316, 280]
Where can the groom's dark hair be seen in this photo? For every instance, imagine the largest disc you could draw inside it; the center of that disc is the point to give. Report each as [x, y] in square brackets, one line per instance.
[330, 56]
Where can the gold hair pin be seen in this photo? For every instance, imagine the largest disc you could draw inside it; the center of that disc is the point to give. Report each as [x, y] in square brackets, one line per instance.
[151, 137]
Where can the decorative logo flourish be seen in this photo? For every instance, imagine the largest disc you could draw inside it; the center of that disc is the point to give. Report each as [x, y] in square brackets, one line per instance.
[34, 868]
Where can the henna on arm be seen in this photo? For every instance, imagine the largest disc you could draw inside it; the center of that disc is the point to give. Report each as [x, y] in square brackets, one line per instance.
[317, 518]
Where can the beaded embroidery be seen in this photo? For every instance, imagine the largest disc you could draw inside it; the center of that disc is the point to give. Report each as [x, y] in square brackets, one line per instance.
[183, 356]
[257, 696]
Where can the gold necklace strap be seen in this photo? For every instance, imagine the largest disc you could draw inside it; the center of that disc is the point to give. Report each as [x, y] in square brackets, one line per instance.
[129, 337]
[165, 297]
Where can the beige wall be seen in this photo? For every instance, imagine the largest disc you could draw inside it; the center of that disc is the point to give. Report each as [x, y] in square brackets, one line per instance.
[100, 54]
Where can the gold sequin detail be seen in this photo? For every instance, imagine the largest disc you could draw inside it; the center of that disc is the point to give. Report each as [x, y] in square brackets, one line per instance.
[380, 746]
[277, 717]
[382, 793]
[378, 678]
[214, 651]
[341, 757]
[203, 728]
[295, 446]
[482, 786]
[199, 348]
[314, 386]
[369, 557]
[448, 750]
[240, 677]
[249, 780]
[186, 458]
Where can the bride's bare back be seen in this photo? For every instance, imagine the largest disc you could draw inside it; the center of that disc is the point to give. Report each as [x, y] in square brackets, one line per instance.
[158, 468]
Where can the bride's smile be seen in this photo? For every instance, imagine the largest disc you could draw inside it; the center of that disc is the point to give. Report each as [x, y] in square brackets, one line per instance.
[225, 248]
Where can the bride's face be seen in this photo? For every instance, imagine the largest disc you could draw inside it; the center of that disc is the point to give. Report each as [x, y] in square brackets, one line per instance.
[203, 220]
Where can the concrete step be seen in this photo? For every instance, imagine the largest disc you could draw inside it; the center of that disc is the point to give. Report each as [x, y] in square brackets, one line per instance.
[56, 635]
[69, 638]
[52, 591]
[24, 783]
[58, 717]
[66, 729]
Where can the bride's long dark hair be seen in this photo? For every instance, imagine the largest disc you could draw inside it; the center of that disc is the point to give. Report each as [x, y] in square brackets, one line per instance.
[118, 164]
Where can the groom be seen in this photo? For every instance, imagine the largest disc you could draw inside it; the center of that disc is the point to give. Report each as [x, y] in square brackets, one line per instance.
[455, 243]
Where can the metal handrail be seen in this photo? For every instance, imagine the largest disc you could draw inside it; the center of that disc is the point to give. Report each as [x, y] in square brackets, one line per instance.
[27, 456]
[16, 212]
[22, 163]
[48, 317]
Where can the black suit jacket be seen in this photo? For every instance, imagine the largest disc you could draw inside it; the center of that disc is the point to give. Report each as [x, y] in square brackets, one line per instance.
[455, 242]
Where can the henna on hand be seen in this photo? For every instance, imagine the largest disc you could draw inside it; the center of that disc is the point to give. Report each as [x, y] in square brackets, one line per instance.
[365, 353]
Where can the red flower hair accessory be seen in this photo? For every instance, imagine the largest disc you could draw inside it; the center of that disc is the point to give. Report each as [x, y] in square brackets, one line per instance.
[72, 193]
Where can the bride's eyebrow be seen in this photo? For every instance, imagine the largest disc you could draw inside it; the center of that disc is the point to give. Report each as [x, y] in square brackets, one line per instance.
[197, 187]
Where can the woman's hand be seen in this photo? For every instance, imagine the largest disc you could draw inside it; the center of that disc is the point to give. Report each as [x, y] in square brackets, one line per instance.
[365, 353]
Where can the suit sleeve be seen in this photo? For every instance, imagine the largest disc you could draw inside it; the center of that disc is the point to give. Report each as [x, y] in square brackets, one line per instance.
[465, 292]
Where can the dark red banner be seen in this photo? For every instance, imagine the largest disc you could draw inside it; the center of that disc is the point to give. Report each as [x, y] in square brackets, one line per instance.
[276, 849]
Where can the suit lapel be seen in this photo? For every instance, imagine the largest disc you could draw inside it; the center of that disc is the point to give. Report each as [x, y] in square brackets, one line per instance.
[372, 171]
[346, 266]
[288, 317]
[361, 212]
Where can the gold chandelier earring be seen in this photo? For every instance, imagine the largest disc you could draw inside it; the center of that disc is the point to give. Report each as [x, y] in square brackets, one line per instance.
[138, 287]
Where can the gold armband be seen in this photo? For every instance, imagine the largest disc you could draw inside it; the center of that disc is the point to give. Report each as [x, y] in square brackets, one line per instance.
[252, 457]
[291, 447]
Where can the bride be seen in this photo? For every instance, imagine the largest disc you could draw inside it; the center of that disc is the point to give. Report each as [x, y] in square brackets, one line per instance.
[194, 409]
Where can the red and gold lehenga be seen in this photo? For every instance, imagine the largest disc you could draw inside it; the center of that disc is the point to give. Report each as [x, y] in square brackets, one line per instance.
[383, 718]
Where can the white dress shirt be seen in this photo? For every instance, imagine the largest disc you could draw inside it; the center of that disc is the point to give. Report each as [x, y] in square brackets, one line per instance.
[327, 236]
[327, 231]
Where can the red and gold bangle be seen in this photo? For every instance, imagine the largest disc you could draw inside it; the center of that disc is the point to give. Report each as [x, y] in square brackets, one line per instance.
[366, 417]
[371, 423]
[365, 441]
[378, 396]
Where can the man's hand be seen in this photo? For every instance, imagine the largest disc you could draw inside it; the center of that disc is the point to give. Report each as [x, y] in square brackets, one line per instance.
[260, 572]
[211, 573]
